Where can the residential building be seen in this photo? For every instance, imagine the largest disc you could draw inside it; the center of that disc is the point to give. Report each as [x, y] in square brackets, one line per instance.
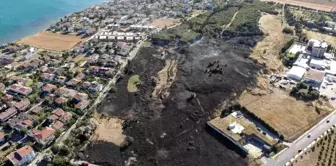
[82, 105]
[47, 76]
[45, 136]
[63, 91]
[58, 125]
[61, 100]
[81, 96]
[2, 137]
[22, 105]
[4, 116]
[22, 156]
[49, 88]
[19, 89]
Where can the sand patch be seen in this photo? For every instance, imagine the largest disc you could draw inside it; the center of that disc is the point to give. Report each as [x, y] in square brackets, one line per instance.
[165, 78]
[109, 130]
[316, 35]
[52, 41]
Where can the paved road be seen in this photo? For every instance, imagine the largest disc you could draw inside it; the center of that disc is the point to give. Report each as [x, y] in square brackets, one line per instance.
[302, 142]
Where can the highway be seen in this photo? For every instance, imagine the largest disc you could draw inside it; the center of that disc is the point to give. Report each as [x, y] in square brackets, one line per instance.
[303, 141]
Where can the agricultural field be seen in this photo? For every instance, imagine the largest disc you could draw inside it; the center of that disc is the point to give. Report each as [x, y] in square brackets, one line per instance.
[322, 153]
[323, 5]
[52, 41]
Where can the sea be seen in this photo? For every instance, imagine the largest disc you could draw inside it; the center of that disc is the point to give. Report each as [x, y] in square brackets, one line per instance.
[20, 18]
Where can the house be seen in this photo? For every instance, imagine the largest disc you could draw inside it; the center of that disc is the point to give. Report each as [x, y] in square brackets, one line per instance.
[22, 105]
[73, 82]
[2, 137]
[66, 117]
[80, 76]
[82, 105]
[49, 88]
[50, 97]
[58, 125]
[81, 96]
[2, 86]
[61, 100]
[21, 156]
[45, 136]
[47, 76]
[60, 79]
[96, 87]
[63, 91]
[4, 116]
[6, 98]
[24, 124]
[19, 89]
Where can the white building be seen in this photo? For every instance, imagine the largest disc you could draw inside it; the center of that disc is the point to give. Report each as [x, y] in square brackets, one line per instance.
[296, 73]
[317, 63]
[22, 156]
[318, 47]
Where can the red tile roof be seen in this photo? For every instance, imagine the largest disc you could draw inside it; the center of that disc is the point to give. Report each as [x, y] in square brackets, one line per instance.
[58, 112]
[44, 134]
[19, 154]
[57, 125]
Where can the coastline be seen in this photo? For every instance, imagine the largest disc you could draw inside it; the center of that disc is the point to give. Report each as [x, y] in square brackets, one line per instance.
[38, 27]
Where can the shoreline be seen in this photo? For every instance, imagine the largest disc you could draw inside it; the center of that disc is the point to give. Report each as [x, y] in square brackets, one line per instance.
[41, 27]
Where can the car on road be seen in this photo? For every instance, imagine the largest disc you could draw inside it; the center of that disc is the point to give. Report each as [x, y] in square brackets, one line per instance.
[299, 151]
[328, 121]
[308, 136]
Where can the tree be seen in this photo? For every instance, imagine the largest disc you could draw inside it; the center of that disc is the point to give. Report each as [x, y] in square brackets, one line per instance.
[287, 30]
[60, 161]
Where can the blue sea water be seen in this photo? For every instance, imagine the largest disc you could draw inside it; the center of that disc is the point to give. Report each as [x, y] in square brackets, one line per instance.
[20, 18]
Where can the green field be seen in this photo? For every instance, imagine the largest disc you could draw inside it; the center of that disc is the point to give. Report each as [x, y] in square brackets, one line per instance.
[133, 82]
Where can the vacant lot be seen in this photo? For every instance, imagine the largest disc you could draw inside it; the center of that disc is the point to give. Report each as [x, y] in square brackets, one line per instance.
[51, 41]
[267, 51]
[164, 22]
[316, 35]
[324, 5]
[285, 114]
[109, 130]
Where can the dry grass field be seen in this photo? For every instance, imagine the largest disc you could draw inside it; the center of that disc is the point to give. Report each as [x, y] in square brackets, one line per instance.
[316, 35]
[267, 51]
[285, 114]
[52, 41]
[109, 130]
[323, 5]
[164, 22]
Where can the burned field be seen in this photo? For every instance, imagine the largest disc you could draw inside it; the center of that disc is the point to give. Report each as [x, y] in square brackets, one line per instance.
[172, 130]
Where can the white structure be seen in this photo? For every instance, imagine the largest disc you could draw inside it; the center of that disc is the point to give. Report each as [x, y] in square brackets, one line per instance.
[317, 63]
[318, 47]
[236, 128]
[297, 47]
[21, 156]
[296, 73]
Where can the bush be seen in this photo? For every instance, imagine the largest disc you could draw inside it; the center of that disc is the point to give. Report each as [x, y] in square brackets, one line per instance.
[288, 30]
[60, 161]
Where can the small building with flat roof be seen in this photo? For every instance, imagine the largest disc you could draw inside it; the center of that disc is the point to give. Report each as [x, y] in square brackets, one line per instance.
[314, 77]
[296, 73]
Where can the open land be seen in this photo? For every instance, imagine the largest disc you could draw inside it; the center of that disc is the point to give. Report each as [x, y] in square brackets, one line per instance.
[322, 5]
[52, 41]
[317, 35]
[164, 22]
[267, 51]
[284, 113]
[172, 130]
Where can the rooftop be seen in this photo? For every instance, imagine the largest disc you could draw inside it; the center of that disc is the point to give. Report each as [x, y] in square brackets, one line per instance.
[315, 75]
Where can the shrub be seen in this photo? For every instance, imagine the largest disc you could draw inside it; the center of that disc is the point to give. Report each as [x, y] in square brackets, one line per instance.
[287, 30]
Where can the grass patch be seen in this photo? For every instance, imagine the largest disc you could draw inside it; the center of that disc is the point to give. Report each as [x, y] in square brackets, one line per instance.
[146, 44]
[290, 55]
[133, 82]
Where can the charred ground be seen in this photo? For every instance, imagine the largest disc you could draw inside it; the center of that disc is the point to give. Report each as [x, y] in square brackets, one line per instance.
[172, 130]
